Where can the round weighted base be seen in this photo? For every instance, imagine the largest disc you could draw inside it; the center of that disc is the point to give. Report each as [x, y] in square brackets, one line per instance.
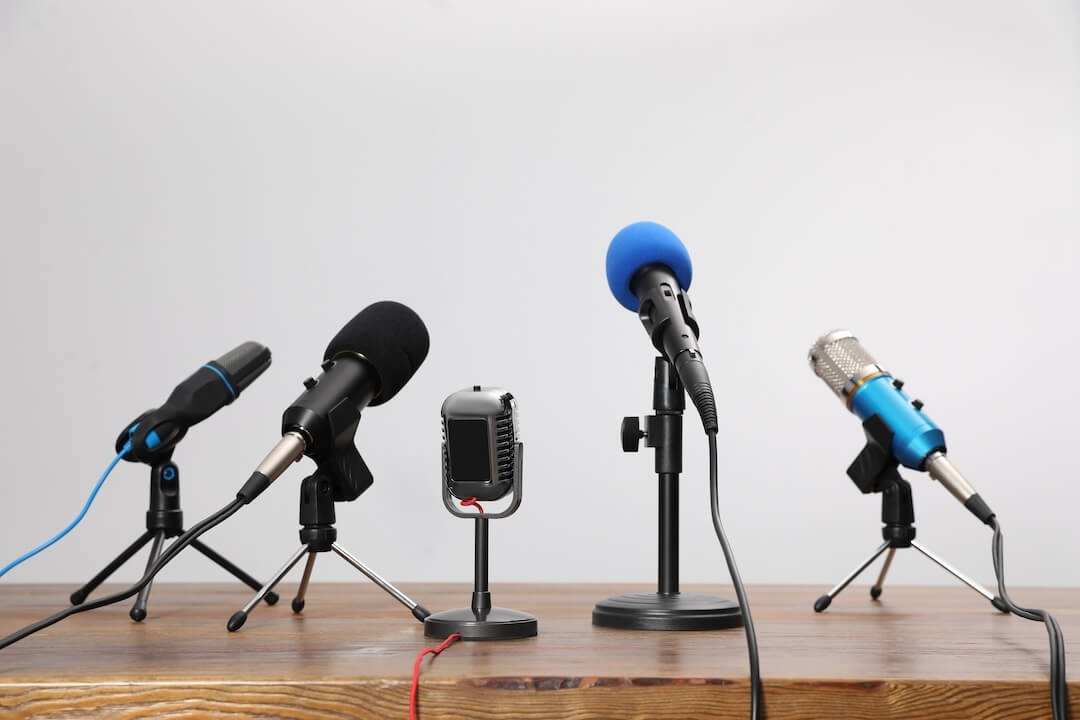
[495, 624]
[677, 611]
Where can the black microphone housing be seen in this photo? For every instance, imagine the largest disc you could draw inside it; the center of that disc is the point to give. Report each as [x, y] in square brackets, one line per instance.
[366, 363]
[154, 434]
[243, 364]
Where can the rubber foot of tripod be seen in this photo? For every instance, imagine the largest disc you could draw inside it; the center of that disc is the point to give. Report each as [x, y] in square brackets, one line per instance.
[999, 604]
[137, 614]
[297, 605]
[236, 621]
[78, 597]
[822, 603]
[271, 598]
[875, 592]
[421, 613]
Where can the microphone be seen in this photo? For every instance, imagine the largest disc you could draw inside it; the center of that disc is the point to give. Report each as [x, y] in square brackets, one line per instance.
[155, 433]
[481, 461]
[366, 363]
[867, 390]
[481, 448]
[649, 271]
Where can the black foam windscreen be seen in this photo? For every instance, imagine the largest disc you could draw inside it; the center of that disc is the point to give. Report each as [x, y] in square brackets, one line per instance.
[391, 337]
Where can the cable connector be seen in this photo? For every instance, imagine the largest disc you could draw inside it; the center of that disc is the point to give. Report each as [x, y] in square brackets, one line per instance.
[695, 378]
[980, 509]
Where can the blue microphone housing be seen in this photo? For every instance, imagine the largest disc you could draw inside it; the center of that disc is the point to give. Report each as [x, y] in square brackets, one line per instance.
[915, 435]
[640, 244]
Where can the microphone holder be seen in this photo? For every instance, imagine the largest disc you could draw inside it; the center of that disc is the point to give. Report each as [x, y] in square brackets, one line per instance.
[318, 535]
[668, 608]
[164, 519]
[875, 470]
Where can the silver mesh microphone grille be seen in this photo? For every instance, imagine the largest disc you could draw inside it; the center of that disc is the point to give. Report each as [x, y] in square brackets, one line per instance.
[842, 362]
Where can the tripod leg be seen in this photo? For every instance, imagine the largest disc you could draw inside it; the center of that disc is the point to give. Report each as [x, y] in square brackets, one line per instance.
[875, 589]
[823, 602]
[138, 610]
[418, 611]
[298, 601]
[956, 574]
[271, 597]
[240, 616]
[79, 596]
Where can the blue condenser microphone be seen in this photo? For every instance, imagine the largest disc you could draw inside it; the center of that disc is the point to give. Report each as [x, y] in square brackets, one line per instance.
[867, 390]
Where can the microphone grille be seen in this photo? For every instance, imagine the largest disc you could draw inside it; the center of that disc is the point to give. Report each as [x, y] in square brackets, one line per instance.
[842, 362]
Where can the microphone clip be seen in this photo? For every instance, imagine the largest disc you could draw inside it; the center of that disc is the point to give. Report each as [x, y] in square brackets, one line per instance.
[341, 465]
[874, 468]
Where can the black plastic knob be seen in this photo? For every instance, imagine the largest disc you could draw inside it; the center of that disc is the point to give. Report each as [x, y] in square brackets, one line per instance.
[917, 404]
[631, 434]
[898, 383]
[310, 383]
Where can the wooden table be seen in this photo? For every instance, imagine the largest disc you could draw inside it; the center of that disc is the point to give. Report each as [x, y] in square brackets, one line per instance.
[917, 653]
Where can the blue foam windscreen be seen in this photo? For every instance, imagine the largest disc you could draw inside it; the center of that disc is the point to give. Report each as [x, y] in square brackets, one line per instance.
[641, 244]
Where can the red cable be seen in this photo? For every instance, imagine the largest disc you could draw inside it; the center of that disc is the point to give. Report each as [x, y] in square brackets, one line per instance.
[415, 691]
[416, 671]
[472, 501]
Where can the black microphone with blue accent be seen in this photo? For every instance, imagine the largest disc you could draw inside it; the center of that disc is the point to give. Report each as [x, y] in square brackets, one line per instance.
[155, 433]
[649, 271]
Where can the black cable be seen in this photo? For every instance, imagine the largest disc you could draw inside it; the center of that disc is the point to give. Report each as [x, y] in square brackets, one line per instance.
[179, 544]
[1059, 691]
[740, 591]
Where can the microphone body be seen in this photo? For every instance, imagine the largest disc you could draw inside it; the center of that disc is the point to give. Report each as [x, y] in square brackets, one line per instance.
[155, 433]
[648, 271]
[326, 417]
[868, 390]
[366, 363]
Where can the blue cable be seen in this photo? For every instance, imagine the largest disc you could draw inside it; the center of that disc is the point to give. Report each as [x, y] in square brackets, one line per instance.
[93, 493]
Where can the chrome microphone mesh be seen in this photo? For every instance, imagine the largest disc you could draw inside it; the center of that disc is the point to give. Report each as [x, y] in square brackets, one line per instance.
[842, 362]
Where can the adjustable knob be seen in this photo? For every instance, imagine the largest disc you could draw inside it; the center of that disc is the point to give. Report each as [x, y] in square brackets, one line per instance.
[631, 434]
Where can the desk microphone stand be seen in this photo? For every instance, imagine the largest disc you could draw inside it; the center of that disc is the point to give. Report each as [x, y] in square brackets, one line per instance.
[318, 535]
[668, 608]
[481, 621]
[875, 470]
[164, 519]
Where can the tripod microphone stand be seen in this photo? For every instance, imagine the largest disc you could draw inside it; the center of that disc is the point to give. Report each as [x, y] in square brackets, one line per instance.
[318, 535]
[164, 519]
[668, 608]
[875, 471]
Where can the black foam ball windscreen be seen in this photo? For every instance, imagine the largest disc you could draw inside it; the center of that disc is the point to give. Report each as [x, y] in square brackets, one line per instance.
[391, 337]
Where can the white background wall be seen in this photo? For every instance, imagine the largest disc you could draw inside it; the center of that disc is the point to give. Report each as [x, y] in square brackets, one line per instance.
[178, 177]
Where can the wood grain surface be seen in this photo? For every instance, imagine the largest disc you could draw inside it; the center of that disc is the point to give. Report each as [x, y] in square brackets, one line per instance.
[918, 653]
